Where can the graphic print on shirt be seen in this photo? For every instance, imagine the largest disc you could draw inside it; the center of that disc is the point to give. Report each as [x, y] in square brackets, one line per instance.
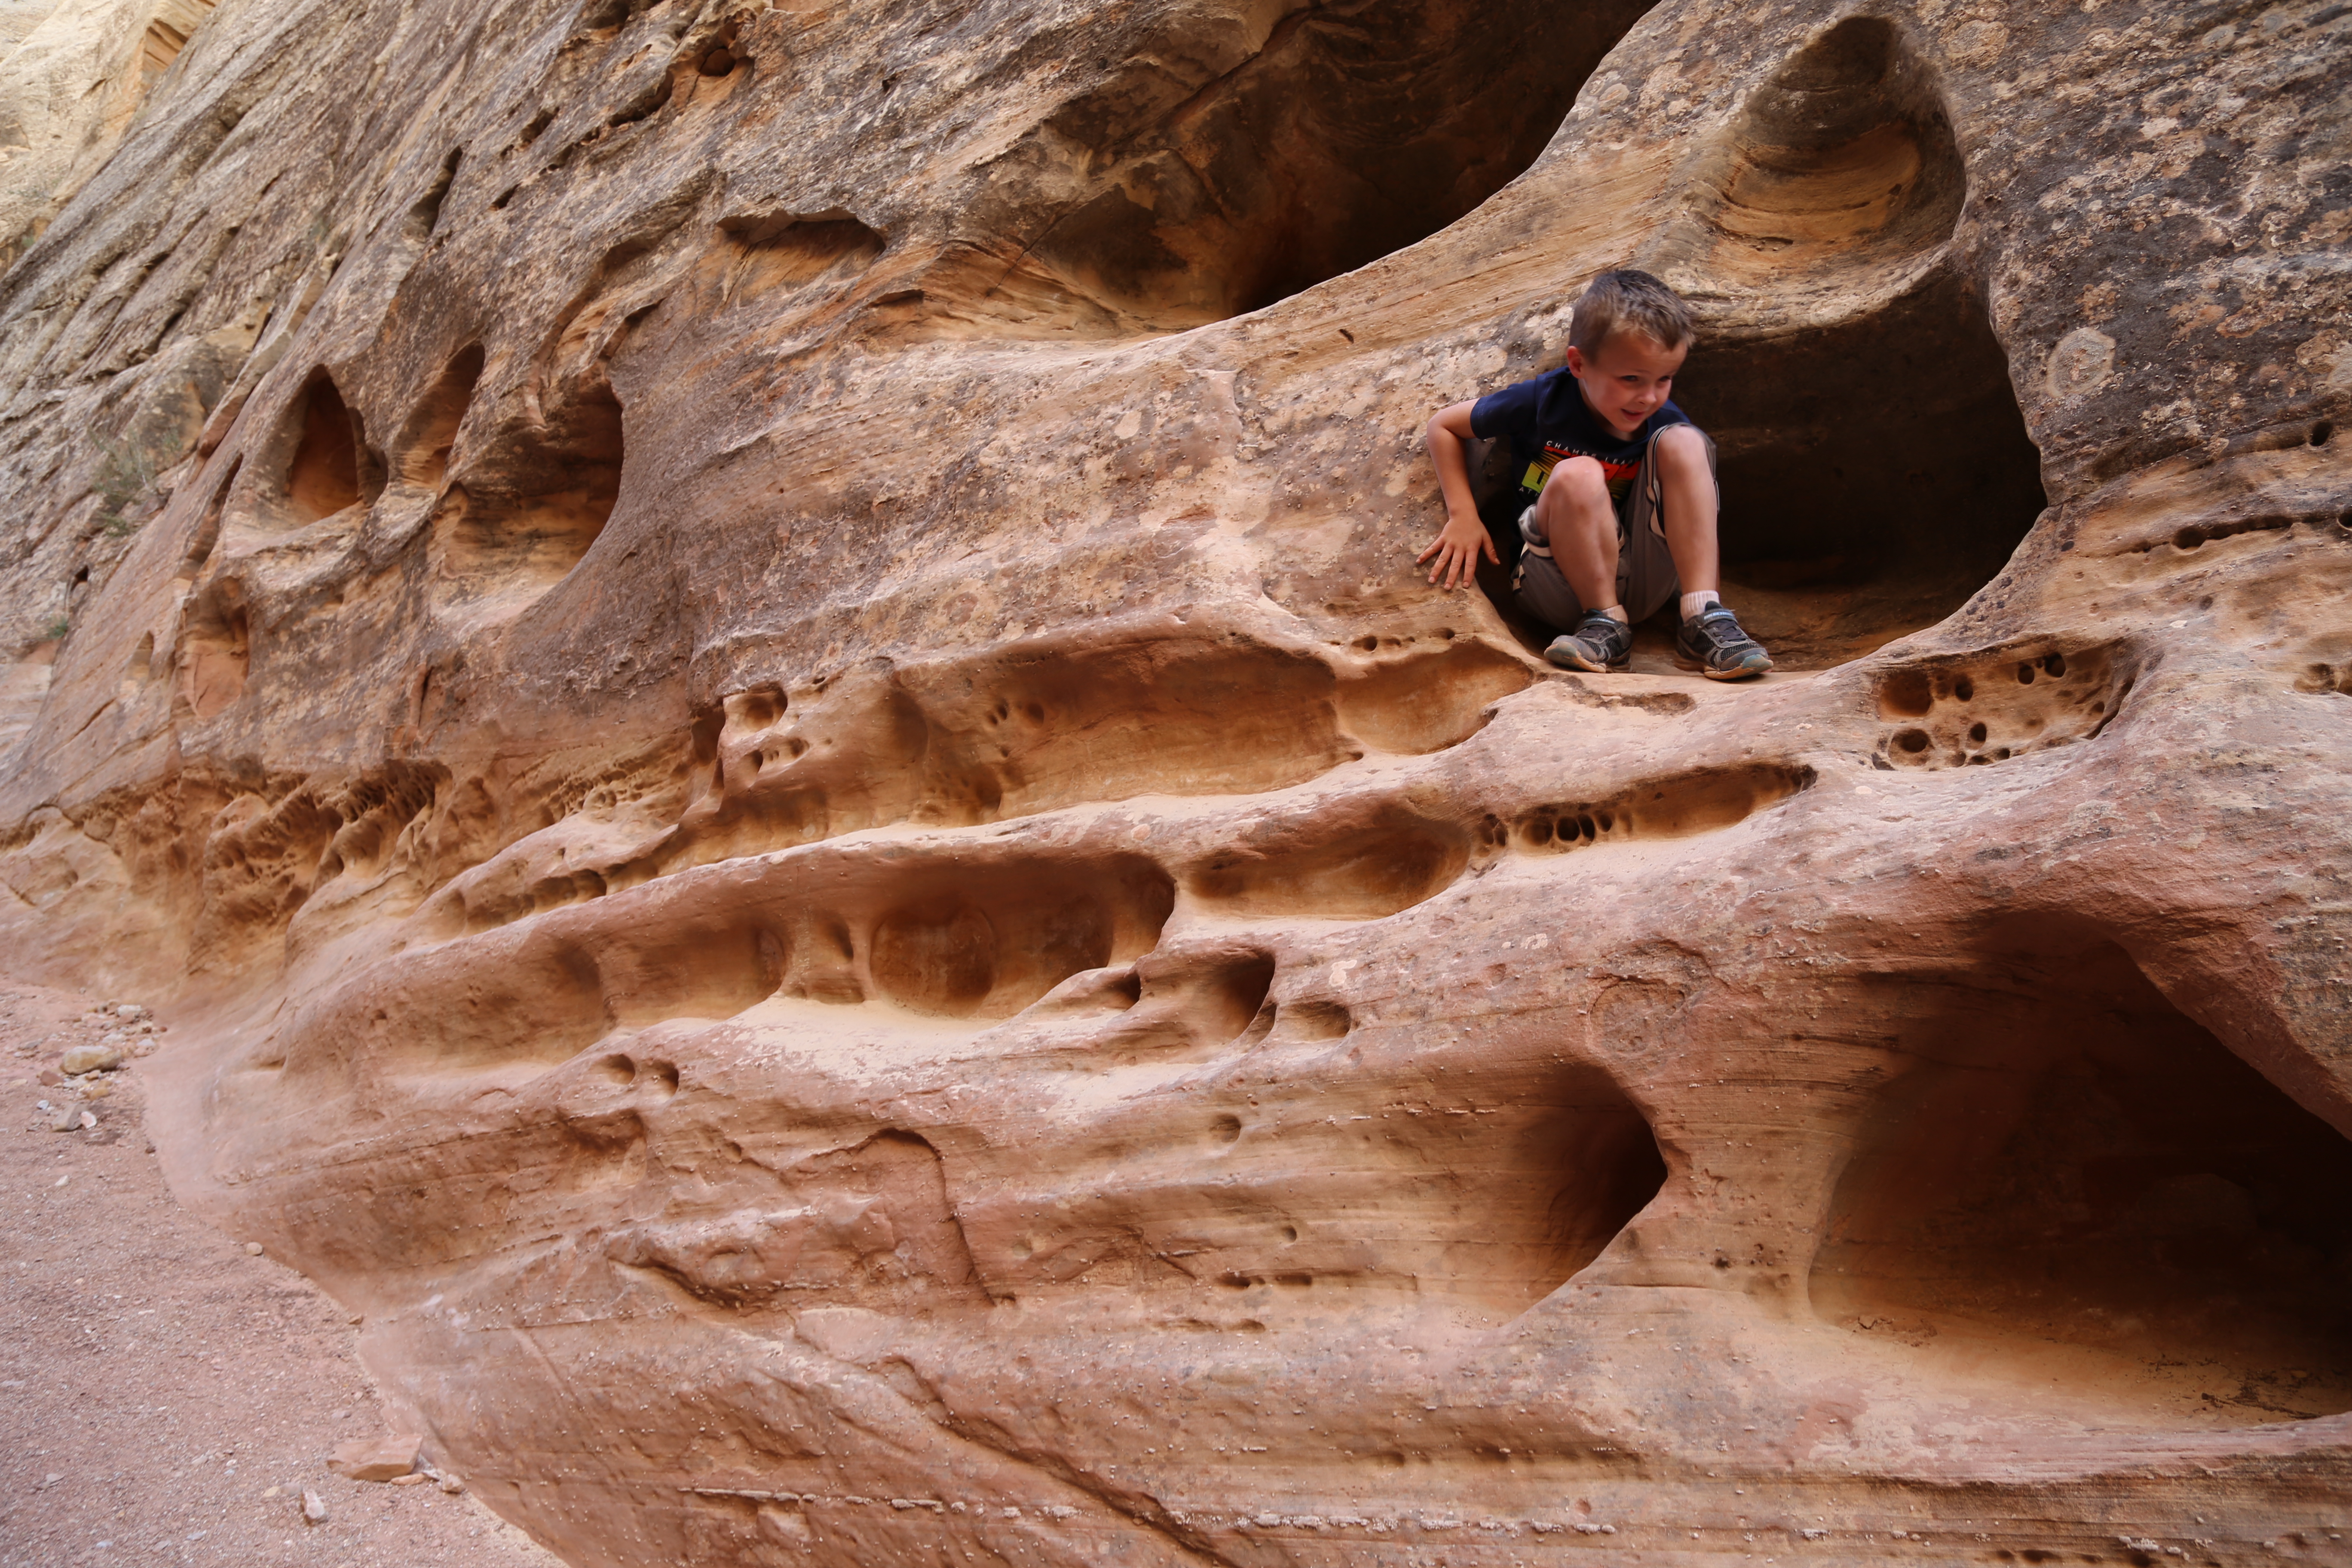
[1618, 476]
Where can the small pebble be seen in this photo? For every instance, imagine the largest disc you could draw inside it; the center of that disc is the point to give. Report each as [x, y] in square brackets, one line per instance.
[314, 1509]
[253, 1248]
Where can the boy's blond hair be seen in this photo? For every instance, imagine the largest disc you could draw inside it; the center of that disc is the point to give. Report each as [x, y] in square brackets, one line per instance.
[1625, 301]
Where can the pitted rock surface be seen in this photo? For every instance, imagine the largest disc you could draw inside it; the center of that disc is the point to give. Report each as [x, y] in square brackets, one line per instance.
[762, 705]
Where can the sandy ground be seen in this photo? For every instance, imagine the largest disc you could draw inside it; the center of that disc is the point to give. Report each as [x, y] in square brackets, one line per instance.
[166, 1397]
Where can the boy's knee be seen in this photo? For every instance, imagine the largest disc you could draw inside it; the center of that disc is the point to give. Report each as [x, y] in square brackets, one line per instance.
[1580, 479]
[1682, 447]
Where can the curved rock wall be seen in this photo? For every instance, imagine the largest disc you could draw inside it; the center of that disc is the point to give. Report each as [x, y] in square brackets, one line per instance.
[758, 685]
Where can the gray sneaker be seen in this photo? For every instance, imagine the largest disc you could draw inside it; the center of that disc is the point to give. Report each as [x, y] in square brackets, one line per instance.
[1600, 643]
[1712, 643]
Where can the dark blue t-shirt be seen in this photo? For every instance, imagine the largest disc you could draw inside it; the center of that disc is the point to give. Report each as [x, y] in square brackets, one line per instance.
[1547, 419]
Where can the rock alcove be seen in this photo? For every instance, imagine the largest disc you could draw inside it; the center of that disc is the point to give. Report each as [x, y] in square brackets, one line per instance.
[1875, 466]
[2076, 1186]
[1350, 131]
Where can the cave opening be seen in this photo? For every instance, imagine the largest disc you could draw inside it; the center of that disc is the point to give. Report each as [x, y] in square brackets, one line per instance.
[1553, 1183]
[1874, 474]
[2077, 1187]
[421, 455]
[1353, 131]
[325, 476]
[1874, 464]
[528, 496]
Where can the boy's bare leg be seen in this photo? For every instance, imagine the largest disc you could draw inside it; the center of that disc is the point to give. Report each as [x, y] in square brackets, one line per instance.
[1686, 485]
[1579, 523]
[1710, 639]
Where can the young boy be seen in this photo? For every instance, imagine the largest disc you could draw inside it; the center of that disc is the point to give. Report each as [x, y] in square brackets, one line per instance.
[1616, 499]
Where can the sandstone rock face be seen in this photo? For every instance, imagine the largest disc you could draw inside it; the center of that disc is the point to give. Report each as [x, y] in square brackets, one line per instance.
[72, 78]
[765, 706]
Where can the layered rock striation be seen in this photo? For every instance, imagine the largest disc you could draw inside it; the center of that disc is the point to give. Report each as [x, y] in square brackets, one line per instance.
[760, 691]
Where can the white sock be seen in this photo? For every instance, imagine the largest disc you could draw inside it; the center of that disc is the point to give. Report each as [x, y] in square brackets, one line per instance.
[1617, 613]
[1695, 602]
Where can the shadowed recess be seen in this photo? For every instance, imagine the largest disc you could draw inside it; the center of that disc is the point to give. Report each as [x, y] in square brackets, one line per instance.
[421, 455]
[1959, 713]
[533, 494]
[2074, 1163]
[1842, 162]
[1213, 185]
[1874, 474]
[323, 477]
[1877, 469]
[1385, 862]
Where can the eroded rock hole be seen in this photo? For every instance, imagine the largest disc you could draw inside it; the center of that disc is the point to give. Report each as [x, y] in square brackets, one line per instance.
[988, 941]
[1884, 476]
[421, 454]
[758, 253]
[216, 650]
[1844, 162]
[2072, 1159]
[1567, 1177]
[530, 999]
[1705, 801]
[707, 965]
[532, 495]
[1876, 472]
[1246, 157]
[1360, 871]
[323, 477]
[424, 216]
[1425, 702]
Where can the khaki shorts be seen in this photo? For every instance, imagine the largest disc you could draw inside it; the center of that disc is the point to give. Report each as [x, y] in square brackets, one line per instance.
[1645, 568]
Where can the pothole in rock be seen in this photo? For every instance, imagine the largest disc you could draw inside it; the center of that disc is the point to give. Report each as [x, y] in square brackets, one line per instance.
[216, 650]
[1875, 470]
[1958, 712]
[1704, 800]
[1841, 164]
[1584, 1171]
[1207, 178]
[2079, 1189]
[1038, 727]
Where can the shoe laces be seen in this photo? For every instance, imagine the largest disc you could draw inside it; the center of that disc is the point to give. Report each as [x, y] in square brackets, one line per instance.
[1718, 626]
[1597, 629]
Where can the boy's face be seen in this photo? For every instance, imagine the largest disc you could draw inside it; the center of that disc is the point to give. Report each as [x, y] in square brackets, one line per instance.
[1628, 379]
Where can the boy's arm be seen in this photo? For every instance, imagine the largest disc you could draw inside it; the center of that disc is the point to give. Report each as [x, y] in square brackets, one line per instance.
[1458, 545]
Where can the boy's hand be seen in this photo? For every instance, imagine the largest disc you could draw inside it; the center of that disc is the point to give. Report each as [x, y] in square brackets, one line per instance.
[1457, 547]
